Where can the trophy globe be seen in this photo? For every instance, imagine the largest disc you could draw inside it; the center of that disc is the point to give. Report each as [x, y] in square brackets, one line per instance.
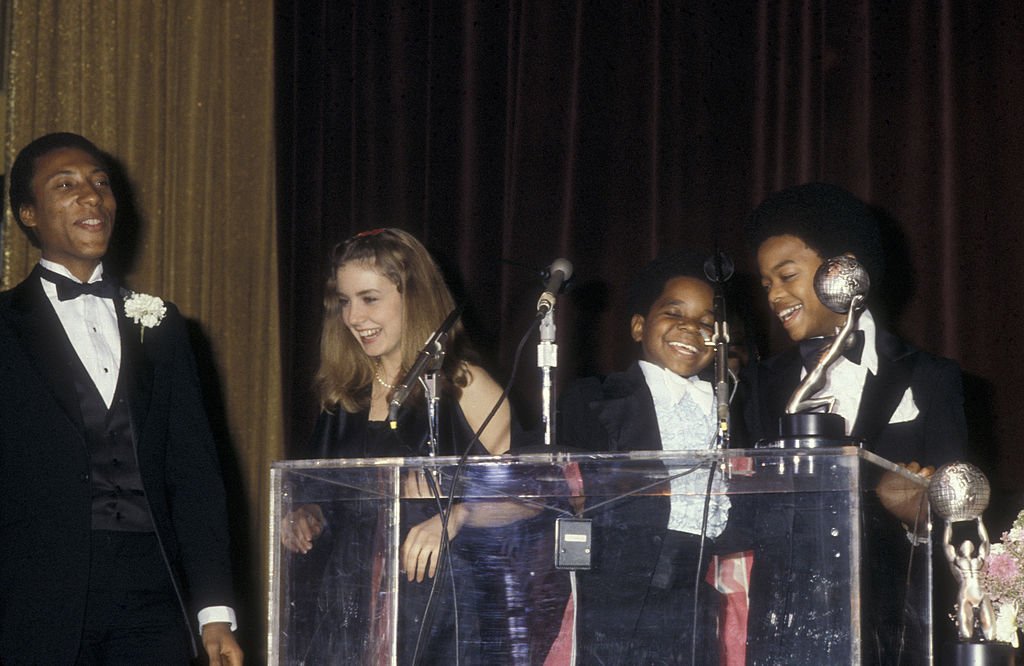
[838, 281]
[959, 491]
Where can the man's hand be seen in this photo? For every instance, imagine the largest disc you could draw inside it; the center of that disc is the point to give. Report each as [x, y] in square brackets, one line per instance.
[905, 499]
[301, 526]
[220, 645]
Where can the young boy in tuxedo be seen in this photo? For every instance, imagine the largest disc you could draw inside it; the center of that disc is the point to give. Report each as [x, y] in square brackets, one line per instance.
[636, 603]
[904, 404]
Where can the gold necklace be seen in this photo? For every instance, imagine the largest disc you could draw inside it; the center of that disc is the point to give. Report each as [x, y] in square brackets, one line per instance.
[376, 375]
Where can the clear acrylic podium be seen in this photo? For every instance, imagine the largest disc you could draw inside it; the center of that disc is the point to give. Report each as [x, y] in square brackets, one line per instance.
[833, 578]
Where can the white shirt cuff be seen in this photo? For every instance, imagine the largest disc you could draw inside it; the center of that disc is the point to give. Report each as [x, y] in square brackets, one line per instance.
[217, 614]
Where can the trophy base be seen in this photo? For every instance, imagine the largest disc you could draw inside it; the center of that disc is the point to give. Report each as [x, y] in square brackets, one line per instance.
[980, 654]
[809, 431]
[821, 426]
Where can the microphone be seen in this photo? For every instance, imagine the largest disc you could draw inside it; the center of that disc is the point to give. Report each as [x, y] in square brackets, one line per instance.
[433, 350]
[718, 268]
[559, 273]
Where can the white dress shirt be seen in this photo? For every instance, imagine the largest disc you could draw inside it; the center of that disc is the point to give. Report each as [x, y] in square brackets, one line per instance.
[845, 379]
[91, 325]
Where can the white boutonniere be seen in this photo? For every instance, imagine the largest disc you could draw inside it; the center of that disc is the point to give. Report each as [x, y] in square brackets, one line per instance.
[145, 310]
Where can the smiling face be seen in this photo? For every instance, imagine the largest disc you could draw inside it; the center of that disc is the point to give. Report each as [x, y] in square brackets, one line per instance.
[787, 268]
[73, 209]
[371, 308]
[672, 334]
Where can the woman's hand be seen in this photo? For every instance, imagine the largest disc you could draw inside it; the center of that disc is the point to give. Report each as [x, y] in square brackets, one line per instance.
[300, 527]
[422, 546]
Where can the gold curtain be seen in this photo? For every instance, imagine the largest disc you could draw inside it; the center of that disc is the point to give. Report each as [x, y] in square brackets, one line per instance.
[181, 93]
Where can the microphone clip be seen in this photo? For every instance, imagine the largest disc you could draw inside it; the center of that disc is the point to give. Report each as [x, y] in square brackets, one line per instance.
[428, 360]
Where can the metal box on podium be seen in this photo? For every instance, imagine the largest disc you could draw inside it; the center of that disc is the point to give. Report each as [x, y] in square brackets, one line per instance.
[832, 576]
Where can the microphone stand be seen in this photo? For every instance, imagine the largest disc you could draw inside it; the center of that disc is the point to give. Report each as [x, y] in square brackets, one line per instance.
[714, 271]
[720, 341]
[547, 358]
[429, 382]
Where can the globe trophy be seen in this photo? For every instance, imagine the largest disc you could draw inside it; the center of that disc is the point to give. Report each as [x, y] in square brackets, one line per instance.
[959, 492]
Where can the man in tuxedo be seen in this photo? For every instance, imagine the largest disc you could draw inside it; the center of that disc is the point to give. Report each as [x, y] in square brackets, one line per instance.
[112, 511]
[906, 405]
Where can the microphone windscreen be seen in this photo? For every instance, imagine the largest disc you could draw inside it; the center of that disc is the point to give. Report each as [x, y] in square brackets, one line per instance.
[719, 267]
[563, 265]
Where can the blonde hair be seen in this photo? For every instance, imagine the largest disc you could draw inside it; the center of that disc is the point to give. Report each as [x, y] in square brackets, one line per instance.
[345, 371]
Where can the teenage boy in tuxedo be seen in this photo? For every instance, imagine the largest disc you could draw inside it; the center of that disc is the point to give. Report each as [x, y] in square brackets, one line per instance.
[636, 603]
[905, 404]
[112, 515]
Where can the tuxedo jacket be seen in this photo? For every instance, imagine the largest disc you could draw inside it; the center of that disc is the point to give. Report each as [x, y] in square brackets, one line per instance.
[785, 531]
[616, 414]
[45, 493]
[938, 434]
[634, 551]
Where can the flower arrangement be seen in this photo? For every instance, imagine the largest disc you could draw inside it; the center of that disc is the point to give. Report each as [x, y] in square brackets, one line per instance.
[1003, 578]
[145, 310]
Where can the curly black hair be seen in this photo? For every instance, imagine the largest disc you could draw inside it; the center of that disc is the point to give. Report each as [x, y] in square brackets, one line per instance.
[650, 282]
[829, 219]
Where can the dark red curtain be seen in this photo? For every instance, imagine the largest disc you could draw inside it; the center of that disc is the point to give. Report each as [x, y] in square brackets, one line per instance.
[506, 134]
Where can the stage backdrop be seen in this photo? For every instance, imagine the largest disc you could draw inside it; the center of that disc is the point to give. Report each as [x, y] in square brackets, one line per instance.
[506, 134]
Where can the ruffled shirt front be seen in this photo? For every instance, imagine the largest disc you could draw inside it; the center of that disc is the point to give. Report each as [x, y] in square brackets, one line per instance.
[684, 408]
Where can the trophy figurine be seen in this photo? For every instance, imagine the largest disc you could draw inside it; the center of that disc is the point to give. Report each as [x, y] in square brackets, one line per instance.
[959, 492]
[841, 284]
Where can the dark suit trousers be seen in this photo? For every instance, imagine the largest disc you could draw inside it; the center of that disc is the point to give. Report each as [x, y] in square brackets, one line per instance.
[649, 620]
[132, 614]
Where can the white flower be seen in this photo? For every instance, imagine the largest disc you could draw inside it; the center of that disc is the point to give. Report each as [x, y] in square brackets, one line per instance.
[145, 310]
[1006, 623]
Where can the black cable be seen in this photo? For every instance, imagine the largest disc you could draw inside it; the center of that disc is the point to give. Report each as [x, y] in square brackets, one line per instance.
[444, 558]
[703, 535]
[700, 562]
[446, 508]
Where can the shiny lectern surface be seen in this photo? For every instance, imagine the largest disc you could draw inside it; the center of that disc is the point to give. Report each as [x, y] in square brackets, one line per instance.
[810, 568]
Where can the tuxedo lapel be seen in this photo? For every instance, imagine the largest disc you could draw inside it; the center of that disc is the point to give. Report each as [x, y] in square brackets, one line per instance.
[779, 377]
[135, 378]
[46, 344]
[882, 392]
[626, 410]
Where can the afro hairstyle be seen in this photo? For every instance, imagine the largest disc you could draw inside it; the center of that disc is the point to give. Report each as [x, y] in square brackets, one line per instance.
[830, 220]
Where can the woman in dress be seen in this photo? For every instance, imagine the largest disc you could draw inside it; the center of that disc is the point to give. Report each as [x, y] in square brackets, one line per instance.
[385, 297]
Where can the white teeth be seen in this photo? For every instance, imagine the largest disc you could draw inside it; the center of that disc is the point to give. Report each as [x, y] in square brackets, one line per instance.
[368, 333]
[685, 346]
[788, 312]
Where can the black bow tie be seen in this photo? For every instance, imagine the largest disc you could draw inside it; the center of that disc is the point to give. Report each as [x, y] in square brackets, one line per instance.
[812, 348]
[68, 289]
